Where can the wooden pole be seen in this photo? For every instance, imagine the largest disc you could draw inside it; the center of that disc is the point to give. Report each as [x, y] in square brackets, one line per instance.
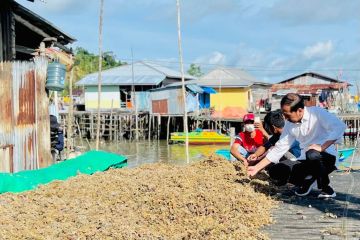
[70, 116]
[130, 126]
[99, 75]
[134, 98]
[159, 126]
[149, 127]
[186, 130]
[80, 135]
[111, 120]
[92, 126]
[116, 137]
[168, 130]
[232, 140]
[153, 124]
[121, 128]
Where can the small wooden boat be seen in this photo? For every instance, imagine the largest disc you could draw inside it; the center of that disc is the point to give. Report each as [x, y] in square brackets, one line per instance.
[201, 137]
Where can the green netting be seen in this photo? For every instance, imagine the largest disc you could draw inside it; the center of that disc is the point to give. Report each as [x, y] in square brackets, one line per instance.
[88, 163]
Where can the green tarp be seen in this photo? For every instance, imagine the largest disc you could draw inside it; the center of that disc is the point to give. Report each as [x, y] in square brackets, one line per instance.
[88, 163]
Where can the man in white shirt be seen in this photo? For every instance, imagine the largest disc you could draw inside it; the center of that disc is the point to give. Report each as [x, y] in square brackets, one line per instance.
[316, 130]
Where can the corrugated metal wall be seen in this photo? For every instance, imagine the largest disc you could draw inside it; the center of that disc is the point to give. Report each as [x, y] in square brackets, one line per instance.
[173, 98]
[170, 101]
[24, 119]
[143, 101]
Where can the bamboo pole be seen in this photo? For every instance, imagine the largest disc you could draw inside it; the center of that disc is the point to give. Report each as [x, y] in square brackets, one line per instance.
[99, 75]
[70, 116]
[183, 82]
[134, 98]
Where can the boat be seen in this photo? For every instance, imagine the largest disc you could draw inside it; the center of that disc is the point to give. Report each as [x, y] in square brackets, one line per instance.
[343, 154]
[201, 137]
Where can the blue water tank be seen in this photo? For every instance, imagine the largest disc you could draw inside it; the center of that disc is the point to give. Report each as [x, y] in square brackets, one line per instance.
[56, 76]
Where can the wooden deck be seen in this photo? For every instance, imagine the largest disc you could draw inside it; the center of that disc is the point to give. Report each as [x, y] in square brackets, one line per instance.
[312, 218]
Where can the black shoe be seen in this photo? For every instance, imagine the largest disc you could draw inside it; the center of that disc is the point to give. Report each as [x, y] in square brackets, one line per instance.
[306, 187]
[327, 192]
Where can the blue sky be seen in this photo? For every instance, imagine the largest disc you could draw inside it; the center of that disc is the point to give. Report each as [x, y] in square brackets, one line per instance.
[271, 39]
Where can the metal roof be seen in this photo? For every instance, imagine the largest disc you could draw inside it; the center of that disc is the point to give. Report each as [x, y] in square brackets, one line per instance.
[42, 23]
[314, 75]
[195, 88]
[228, 77]
[145, 73]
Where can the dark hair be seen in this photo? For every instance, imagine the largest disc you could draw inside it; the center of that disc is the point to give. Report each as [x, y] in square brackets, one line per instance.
[295, 101]
[274, 118]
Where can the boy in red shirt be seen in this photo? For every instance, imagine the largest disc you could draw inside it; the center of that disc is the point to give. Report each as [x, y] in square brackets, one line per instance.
[248, 141]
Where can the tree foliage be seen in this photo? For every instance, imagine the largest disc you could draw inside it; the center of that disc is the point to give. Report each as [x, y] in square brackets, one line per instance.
[195, 70]
[86, 63]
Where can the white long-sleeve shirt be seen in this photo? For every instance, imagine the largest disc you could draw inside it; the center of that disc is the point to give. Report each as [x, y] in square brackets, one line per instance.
[316, 127]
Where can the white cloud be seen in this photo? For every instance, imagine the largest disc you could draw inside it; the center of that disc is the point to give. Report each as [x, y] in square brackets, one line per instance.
[215, 58]
[318, 50]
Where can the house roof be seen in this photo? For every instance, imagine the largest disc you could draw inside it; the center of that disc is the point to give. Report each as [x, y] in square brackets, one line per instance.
[145, 73]
[230, 78]
[302, 86]
[41, 23]
[314, 75]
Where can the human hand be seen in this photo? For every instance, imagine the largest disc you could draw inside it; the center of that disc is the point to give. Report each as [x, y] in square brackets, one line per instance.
[252, 157]
[246, 163]
[259, 125]
[315, 147]
[252, 171]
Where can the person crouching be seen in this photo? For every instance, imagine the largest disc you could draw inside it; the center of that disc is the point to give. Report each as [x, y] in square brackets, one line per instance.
[247, 141]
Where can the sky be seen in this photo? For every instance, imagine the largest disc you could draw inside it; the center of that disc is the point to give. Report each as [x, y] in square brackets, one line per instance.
[271, 39]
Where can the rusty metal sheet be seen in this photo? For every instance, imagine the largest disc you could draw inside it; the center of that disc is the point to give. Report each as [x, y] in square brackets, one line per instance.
[160, 106]
[24, 123]
[306, 87]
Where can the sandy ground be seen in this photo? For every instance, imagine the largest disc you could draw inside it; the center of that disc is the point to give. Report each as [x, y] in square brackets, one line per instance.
[211, 199]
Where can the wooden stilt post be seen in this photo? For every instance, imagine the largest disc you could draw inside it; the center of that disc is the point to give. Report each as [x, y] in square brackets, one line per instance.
[168, 130]
[111, 120]
[120, 128]
[149, 128]
[159, 126]
[130, 127]
[153, 123]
